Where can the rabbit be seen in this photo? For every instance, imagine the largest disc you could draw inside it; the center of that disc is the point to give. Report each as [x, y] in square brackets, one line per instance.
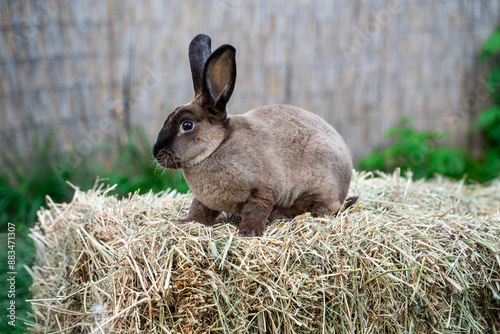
[277, 161]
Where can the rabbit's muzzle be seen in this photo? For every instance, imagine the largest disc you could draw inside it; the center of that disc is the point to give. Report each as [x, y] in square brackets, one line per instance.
[165, 157]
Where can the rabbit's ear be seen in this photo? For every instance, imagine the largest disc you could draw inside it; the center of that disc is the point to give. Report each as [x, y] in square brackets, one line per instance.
[199, 51]
[219, 77]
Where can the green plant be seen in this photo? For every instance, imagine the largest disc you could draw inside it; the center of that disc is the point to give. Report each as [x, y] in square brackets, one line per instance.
[25, 255]
[491, 46]
[420, 152]
[489, 120]
[417, 151]
[24, 182]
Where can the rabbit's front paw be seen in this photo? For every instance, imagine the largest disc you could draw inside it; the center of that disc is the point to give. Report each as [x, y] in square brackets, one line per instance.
[252, 229]
[184, 221]
[200, 213]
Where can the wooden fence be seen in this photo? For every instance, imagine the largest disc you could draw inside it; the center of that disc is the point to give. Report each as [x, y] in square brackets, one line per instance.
[89, 70]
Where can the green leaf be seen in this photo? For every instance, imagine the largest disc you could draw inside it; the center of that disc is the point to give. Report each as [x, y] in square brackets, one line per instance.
[489, 117]
[448, 161]
[374, 161]
[493, 135]
[491, 45]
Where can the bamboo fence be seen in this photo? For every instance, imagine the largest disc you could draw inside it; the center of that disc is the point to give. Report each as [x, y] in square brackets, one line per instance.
[88, 71]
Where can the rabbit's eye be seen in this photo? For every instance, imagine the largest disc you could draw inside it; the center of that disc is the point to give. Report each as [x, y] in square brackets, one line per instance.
[187, 126]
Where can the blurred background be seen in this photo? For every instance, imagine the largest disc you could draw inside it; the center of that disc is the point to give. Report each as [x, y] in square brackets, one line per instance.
[86, 85]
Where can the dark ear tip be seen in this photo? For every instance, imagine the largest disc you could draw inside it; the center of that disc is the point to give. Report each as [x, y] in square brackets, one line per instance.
[228, 47]
[224, 48]
[200, 39]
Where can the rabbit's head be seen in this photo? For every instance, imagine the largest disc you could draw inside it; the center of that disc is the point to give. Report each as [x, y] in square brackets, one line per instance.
[193, 131]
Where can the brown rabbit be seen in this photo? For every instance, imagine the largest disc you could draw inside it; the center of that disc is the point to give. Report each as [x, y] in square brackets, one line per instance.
[277, 161]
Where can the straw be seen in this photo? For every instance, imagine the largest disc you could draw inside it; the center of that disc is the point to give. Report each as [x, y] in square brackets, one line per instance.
[413, 256]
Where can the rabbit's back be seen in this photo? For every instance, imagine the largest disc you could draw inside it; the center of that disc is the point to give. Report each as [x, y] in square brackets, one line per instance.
[306, 154]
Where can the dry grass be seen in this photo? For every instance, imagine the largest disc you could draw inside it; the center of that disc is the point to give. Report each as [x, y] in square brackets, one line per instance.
[412, 257]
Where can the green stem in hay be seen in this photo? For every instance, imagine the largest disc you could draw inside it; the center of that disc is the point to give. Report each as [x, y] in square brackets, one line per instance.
[388, 272]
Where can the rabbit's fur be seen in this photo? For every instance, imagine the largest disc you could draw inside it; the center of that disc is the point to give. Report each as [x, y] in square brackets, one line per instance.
[276, 161]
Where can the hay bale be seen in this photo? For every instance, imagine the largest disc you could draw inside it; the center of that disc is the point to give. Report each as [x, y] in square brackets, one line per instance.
[412, 257]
